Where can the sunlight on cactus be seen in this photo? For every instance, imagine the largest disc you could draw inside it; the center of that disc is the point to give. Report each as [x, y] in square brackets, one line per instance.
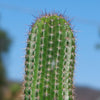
[50, 59]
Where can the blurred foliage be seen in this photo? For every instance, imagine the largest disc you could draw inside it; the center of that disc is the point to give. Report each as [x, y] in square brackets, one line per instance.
[15, 91]
[4, 47]
[98, 46]
[2, 73]
[14, 88]
[4, 41]
[8, 90]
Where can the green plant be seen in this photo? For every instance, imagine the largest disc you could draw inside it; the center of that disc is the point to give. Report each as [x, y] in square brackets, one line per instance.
[50, 59]
[14, 88]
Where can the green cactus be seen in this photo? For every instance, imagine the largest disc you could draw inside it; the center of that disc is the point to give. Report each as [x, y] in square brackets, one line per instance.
[50, 60]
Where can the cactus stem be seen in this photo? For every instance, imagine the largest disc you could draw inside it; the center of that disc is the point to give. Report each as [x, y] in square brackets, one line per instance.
[50, 59]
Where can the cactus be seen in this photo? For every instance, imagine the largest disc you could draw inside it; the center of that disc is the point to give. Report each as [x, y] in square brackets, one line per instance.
[50, 59]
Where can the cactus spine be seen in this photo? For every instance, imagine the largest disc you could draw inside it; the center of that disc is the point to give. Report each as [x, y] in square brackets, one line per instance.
[50, 60]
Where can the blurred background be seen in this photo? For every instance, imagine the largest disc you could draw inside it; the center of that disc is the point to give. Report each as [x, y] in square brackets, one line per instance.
[16, 16]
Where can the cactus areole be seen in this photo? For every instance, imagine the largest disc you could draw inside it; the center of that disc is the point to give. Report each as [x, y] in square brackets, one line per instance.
[50, 60]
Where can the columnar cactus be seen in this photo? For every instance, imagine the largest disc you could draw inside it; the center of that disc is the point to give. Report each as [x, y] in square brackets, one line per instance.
[50, 59]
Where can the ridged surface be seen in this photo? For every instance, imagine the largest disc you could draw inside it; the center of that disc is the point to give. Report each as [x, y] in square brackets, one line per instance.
[50, 59]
